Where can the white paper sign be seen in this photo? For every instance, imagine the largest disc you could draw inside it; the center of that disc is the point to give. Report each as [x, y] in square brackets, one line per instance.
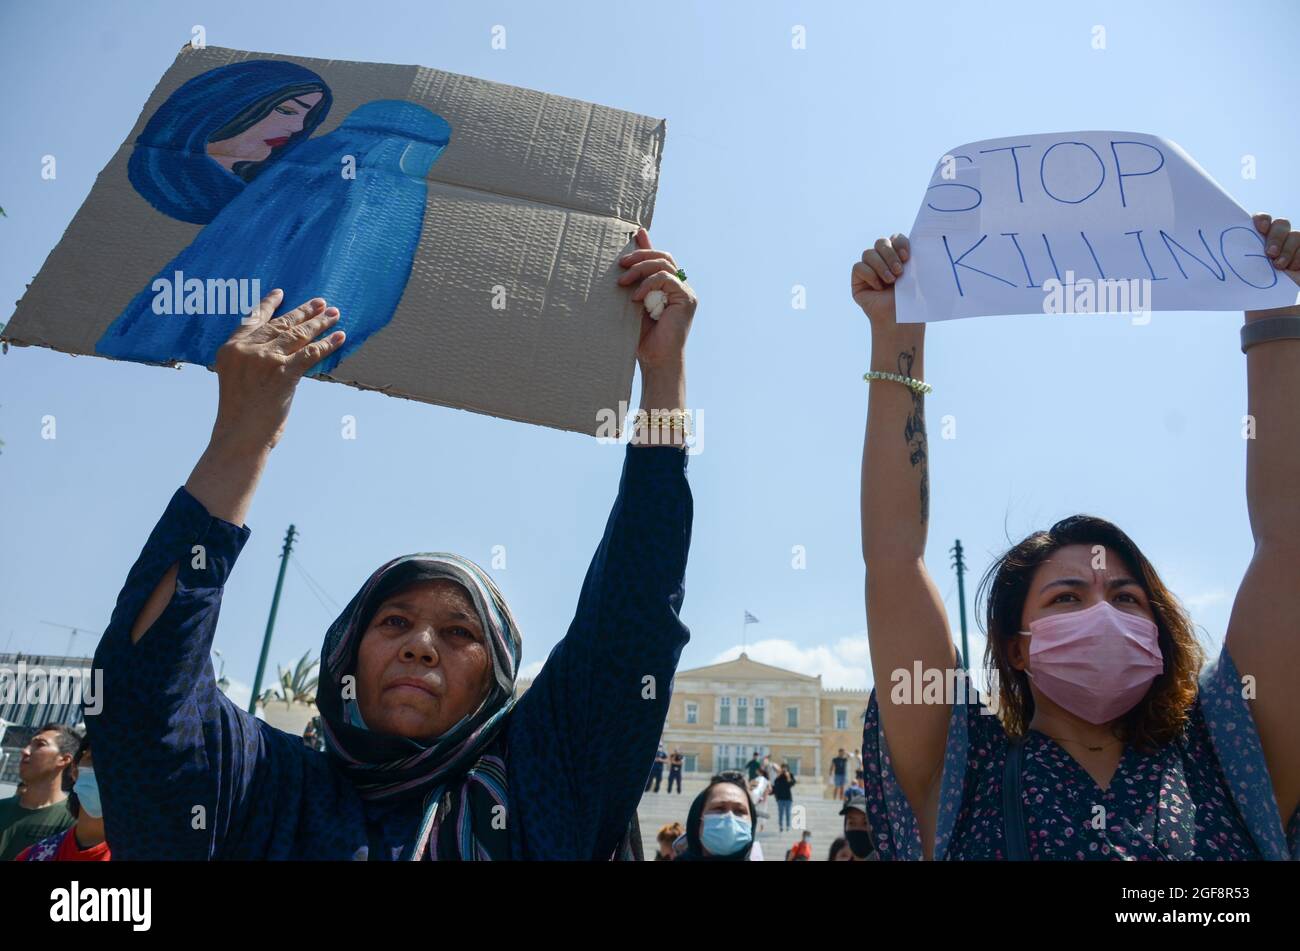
[1081, 222]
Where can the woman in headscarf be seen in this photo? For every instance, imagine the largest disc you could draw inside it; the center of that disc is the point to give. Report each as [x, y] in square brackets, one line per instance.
[720, 823]
[429, 754]
[220, 130]
[350, 239]
[1102, 739]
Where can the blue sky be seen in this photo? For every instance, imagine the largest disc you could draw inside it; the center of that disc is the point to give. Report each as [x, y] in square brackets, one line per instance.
[780, 166]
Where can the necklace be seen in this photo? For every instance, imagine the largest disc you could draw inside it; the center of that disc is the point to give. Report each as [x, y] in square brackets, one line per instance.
[1088, 747]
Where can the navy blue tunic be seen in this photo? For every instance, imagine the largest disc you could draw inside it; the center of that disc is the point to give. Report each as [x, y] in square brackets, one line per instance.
[185, 774]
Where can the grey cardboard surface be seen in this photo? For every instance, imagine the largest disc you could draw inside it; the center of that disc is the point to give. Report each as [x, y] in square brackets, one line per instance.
[535, 195]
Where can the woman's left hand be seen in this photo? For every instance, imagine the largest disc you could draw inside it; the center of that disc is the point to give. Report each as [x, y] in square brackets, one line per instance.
[663, 342]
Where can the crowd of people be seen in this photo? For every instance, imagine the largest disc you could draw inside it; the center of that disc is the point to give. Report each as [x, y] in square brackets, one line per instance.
[1097, 673]
[674, 764]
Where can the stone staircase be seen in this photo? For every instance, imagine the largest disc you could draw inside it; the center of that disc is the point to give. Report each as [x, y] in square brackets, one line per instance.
[820, 816]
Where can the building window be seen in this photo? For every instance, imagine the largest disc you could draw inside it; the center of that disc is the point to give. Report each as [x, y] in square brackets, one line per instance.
[728, 756]
[692, 763]
[760, 712]
[841, 718]
[692, 713]
[742, 711]
[793, 763]
[792, 717]
[724, 711]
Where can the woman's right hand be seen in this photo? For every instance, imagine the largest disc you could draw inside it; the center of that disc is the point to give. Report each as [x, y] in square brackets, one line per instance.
[258, 370]
[259, 367]
[875, 275]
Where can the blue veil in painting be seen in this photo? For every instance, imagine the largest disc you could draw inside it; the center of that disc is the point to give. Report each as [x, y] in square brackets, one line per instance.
[170, 167]
[306, 226]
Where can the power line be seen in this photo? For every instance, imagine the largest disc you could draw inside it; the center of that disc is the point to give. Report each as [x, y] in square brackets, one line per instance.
[317, 588]
[314, 593]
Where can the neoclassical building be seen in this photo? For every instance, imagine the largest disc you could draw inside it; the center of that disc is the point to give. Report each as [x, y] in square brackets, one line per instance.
[722, 713]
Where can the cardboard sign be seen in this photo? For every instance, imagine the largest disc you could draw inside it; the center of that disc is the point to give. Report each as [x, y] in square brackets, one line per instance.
[1081, 222]
[467, 231]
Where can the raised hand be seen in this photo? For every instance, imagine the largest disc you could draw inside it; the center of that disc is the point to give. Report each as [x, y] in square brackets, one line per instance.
[258, 370]
[663, 341]
[1281, 244]
[260, 365]
[874, 277]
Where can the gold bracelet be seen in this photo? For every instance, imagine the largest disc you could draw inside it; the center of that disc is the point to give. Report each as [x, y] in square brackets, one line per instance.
[655, 419]
[677, 419]
[916, 386]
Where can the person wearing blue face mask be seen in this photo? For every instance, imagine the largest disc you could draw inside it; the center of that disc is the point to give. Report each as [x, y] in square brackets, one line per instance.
[85, 841]
[720, 824]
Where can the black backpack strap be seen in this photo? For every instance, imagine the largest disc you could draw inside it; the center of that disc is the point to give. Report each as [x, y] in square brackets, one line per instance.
[1013, 805]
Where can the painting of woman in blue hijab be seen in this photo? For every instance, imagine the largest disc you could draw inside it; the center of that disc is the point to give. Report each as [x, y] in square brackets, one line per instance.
[341, 220]
[220, 130]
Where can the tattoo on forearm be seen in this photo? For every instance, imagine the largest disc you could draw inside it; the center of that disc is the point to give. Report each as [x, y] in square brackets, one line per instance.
[914, 433]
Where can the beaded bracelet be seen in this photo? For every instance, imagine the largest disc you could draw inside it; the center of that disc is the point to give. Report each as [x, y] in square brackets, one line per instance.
[912, 384]
[677, 419]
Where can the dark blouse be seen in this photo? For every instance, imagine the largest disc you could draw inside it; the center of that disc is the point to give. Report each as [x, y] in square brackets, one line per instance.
[1206, 796]
[185, 774]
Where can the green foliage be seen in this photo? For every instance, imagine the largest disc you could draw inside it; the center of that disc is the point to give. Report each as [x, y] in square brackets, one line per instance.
[297, 685]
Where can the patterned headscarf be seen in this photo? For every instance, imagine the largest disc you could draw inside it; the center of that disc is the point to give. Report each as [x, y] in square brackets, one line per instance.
[461, 774]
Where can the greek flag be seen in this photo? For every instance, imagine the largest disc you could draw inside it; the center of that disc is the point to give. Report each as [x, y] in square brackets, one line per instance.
[750, 619]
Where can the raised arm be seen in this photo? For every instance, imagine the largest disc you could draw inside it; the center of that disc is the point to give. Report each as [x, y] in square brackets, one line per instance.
[259, 368]
[906, 621]
[592, 719]
[177, 762]
[1264, 630]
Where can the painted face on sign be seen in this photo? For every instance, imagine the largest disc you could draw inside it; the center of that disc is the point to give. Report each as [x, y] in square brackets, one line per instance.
[256, 143]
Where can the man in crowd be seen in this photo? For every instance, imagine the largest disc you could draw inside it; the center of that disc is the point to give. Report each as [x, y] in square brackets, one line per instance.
[675, 770]
[657, 769]
[839, 769]
[85, 841]
[858, 788]
[856, 829]
[41, 809]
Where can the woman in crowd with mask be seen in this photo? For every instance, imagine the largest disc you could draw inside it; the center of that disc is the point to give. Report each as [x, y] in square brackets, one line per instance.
[720, 823]
[1104, 745]
[85, 841]
[429, 755]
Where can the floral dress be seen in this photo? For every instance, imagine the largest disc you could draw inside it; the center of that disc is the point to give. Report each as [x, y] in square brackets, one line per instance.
[1206, 796]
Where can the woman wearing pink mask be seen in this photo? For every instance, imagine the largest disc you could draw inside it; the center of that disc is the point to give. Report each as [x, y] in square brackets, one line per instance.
[1103, 739]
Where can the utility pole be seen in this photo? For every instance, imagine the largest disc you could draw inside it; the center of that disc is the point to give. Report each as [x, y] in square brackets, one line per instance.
[270, 621]
[959, 563]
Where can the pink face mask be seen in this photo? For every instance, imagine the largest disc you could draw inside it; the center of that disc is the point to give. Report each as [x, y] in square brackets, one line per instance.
[1097, 663]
